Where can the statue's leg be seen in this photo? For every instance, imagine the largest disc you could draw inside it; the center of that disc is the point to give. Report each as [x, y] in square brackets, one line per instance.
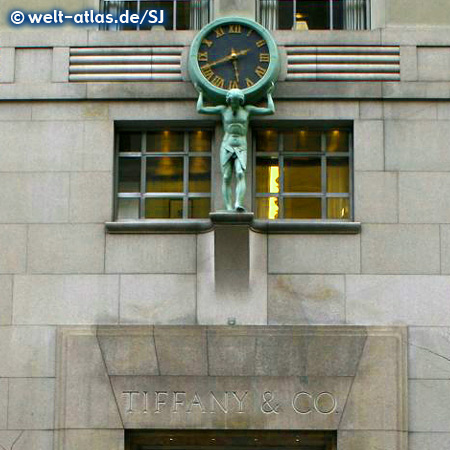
[227, 173]
[240, 185]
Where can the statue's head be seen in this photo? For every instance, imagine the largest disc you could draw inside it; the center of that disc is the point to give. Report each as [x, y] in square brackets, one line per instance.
[235, 97]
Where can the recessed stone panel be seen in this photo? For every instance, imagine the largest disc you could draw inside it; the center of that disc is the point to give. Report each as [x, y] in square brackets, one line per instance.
[349, 379]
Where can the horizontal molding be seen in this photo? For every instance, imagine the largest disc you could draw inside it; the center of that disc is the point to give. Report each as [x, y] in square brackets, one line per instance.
[164, 226]
[343, 63]
[104, 64]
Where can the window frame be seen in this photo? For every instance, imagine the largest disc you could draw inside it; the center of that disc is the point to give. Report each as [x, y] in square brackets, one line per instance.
[104, 27]
[367, 16]
[323, 155]
[143, 155]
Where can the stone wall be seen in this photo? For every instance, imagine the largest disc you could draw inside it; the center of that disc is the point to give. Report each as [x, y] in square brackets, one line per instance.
[59, 267]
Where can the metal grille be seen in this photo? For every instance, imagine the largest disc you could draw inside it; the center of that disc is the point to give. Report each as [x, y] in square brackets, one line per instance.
[185, 195]
[125, 64]
[325, 156]
[343, 63]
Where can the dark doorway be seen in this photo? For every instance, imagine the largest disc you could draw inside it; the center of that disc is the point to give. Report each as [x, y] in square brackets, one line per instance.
[229, 440]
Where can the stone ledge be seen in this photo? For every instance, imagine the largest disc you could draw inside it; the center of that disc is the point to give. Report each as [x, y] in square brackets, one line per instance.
[167, 226]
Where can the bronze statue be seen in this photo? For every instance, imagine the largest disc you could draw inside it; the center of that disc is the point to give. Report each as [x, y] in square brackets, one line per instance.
[233, 150]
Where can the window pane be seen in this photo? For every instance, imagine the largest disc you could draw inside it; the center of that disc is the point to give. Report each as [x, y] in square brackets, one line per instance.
[302, 141]
[302, 175]
[200, 141]
[302, 208]
[338, 14]
[285, 13]
[200, 174]
[337, 141]
[338, 208]
[167, 6]
[266, 141]
[183, 14]
[267, 208]
[165, 141]
[267, 175]
[164, 174]
[128, 208]
[132, 7]
[130, 142]
[199, 208]
[316, 13]
[163, 208]
[337, 175]
[129, 174]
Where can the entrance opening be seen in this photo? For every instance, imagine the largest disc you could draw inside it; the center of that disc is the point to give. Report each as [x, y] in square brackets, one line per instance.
[229, 440]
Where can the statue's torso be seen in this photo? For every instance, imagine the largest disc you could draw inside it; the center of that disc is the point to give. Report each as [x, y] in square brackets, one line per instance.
[235, 126]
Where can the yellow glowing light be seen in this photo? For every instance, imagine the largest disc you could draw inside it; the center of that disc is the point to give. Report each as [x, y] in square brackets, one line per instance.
[274, 187]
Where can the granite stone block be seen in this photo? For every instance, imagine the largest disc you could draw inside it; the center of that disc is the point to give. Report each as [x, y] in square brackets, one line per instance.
[128, 351]
[400, 249]
[31, 403]
[66, 299]
[5, 299]
[27, 352]
[3, 404]
[182, 350]
[65, 248]
[34, 197]
[423, 197]
[91, 197]
[368, 144]
[376, 197]
[36, 146]
[157, 299]
[13, 247]
[429, 352]
[314, 254]
[150, 254]
[429, 403]
[393, 299]
[306, 299]
[406, 141]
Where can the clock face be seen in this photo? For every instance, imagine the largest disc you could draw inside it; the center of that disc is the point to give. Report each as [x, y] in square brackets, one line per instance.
[233, 56]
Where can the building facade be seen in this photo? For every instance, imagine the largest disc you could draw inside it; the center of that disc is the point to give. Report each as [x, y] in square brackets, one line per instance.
[131, 319]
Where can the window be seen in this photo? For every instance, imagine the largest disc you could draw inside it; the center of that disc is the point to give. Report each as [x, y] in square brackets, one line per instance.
[163, 174]
[303, 173]
[179, 14]
[315, 14]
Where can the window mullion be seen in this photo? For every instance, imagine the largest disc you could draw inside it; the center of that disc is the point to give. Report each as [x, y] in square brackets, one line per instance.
[324, 175]
[331, 15]
[143, 176]
[185, 175]
[281, 176]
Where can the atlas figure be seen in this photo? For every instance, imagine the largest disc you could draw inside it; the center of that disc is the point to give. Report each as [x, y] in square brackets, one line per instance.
[233, 150]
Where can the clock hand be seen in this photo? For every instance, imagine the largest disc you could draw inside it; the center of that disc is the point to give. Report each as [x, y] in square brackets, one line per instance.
[236, 71]
[230, 57]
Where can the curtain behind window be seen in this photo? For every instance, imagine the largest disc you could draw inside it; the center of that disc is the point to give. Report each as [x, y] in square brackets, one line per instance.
[199, 14]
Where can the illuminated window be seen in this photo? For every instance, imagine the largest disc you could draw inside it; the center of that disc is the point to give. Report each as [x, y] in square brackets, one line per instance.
[303, 173]
[163, 174]
[304, 15]
[178, 14]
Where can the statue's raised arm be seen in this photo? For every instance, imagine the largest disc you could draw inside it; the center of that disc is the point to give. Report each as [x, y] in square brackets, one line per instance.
[202, 109]
[257, 111]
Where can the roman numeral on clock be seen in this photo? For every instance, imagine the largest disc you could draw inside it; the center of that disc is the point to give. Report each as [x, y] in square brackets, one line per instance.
[264, 57]
[218, 81]
[235, 29]
[233, 84]
[219, 32]
[202, 56]
[207, 72]
[207, 42]
[261, 43]
[249, 82]
[260, 71]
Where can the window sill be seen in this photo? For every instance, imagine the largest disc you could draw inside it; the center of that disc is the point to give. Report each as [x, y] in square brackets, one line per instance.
[175, 226]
